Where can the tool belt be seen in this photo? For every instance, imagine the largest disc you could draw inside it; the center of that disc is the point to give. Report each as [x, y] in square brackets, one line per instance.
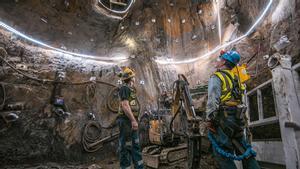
[232, 121]
[235, 126]
[237, 111]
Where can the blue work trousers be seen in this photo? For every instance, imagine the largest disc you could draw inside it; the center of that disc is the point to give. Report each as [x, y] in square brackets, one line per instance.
[129, 145]
[225, 142]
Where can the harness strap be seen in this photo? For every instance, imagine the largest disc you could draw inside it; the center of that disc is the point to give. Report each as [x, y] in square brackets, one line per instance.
[227, 82]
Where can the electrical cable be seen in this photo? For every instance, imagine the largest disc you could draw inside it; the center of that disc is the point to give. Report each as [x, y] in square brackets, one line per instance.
[111, 100]
[90, 95]
[88, 140]
[92, 144]
[3, 92]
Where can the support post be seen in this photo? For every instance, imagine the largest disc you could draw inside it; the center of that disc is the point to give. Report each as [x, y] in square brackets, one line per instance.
[288, 108]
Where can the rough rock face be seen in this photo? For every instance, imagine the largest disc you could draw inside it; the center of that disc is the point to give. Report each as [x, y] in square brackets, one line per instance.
[40, 135]
[153, 29]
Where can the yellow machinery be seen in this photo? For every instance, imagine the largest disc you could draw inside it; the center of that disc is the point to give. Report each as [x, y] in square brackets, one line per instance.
[241, 72]
[166, 131]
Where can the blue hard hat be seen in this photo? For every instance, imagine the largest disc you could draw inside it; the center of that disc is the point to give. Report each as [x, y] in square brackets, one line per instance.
[231, 56]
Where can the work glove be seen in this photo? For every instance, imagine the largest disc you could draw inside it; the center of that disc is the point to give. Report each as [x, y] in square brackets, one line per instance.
[213, 121]
[210, 126]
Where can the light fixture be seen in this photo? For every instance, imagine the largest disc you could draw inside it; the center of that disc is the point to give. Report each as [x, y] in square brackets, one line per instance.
[219, 21]
[130, 43]
[101, 59]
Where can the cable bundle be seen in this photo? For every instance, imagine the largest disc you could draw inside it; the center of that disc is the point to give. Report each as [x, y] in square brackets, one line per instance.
[89, 140]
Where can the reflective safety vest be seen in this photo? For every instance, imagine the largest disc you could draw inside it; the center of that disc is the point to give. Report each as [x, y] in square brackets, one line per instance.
[133, 103]
[229, 81]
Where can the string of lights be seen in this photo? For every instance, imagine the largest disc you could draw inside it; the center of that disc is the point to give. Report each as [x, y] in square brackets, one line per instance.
[114, 60]
[165, 61]
[219, 21]
[99, 59]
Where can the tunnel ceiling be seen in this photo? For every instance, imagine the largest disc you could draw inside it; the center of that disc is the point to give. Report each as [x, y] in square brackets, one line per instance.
[168, 29]
[171, 28]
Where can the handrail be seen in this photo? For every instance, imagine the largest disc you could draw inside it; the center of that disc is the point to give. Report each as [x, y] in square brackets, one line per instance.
[296, 67]
[259, 87]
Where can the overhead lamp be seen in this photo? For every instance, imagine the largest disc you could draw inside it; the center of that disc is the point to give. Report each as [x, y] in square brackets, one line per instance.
[100, 59]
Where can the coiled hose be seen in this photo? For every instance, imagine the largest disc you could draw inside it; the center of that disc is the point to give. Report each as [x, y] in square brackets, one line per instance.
[92, 143]
[249, 151]
[88, 139]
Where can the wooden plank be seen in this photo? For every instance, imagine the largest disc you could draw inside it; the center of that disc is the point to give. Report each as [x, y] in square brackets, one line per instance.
[296, 67]
[263, 122]
[260, 105]
[260, 86]
[269, 151]
[296, 75]
[288, 110]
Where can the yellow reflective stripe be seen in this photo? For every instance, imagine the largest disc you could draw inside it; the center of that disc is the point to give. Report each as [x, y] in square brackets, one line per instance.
[230, 84]
[227, 85]
[226, 97]
[220, 76]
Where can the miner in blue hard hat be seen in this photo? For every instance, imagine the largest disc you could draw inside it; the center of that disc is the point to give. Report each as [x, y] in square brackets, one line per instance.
[225, 113]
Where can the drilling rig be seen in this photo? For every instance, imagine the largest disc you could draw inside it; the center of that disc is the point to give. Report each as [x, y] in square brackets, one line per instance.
[175, 139]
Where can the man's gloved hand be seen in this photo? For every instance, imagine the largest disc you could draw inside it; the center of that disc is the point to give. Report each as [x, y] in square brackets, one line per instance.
[213, 122]
[210, 126]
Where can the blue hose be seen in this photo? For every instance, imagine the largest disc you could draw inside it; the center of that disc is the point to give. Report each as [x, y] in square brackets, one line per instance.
[249, 151]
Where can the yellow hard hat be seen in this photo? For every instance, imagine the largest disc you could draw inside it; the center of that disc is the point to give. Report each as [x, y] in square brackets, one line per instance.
[127, 73]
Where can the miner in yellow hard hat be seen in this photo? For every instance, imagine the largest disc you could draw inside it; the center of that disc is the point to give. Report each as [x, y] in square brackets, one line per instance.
[129, 144]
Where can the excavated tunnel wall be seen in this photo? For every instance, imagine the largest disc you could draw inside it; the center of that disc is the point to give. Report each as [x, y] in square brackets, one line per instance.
[38, 136]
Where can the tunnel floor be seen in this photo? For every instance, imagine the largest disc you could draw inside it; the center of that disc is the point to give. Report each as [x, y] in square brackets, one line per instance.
[112, 163]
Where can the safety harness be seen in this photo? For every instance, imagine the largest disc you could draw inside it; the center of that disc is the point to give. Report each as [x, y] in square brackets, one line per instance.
[232, 89]
[133, 102]
[248, 153]
[231, 98]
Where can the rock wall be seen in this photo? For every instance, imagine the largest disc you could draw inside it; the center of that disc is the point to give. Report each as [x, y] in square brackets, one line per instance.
[39, 135]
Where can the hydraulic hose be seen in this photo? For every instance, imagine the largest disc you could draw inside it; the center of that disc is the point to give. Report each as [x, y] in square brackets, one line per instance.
[171, 125]
[94, 143]
[3, 95]
[88, 140]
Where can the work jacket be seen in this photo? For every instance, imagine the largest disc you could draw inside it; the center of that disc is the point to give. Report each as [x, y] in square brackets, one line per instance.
[133, 103]
[220, 91]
